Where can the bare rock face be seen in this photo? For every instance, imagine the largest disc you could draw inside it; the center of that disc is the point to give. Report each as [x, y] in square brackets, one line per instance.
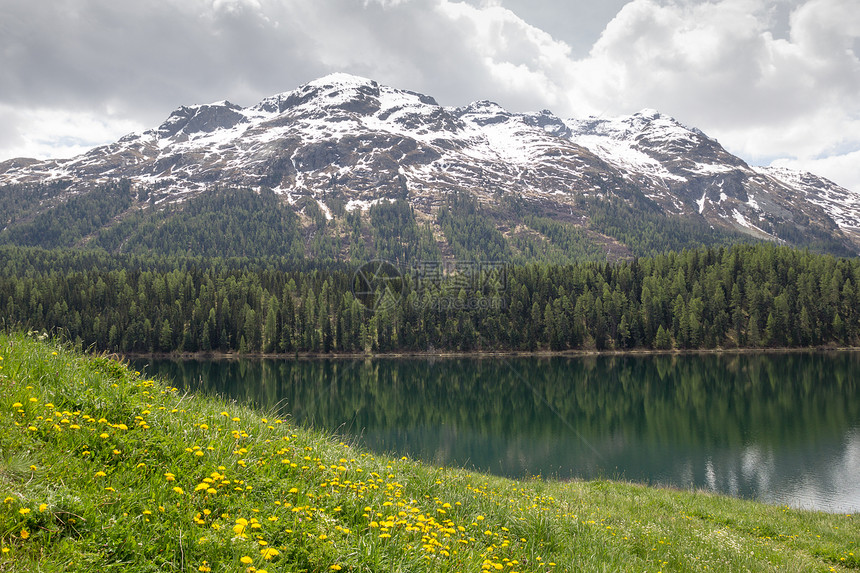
[357, 139]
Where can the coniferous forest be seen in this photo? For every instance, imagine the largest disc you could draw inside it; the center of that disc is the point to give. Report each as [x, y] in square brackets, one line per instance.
[739, 296]
[240, 271]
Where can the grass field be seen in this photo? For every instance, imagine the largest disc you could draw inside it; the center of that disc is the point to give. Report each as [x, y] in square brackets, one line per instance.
[101, 469]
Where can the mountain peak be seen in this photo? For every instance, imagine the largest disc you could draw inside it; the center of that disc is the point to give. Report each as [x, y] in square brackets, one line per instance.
[342, 79]
[348, 139]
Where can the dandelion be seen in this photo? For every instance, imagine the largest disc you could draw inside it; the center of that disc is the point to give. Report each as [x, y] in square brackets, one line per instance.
[24, 510]
[178, 490]
[269, 553]
[25, 534]
[204, 567]
[246, 560]
[241, 524]
[100, 474]
[43, 507]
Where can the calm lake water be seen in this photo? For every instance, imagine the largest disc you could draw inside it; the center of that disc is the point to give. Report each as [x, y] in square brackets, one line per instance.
[780, 428]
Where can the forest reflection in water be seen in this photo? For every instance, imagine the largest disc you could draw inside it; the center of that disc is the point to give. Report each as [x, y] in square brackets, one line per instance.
[782, 428]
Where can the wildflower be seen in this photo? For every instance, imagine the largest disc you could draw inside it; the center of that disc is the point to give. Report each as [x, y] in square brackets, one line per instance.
[246, 560]
[204, 567]
[43, 507]
[25, 534]
[24, 510]
[100, 474]
[269, 553]
[335, 567]
[178, 490]
[241, 524]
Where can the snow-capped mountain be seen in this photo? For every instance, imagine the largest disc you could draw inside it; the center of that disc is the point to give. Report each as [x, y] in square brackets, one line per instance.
[360, 142]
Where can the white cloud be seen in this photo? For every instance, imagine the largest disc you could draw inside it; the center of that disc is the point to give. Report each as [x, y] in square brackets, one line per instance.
[57, 133]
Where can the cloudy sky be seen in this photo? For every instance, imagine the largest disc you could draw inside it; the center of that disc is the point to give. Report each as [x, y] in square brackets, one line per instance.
[776, 81]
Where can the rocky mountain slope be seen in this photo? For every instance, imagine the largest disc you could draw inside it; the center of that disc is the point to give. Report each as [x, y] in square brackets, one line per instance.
[350, 142]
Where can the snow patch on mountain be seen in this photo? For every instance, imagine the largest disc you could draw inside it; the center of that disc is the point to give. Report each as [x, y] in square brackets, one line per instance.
[842, 205]
[364, 142]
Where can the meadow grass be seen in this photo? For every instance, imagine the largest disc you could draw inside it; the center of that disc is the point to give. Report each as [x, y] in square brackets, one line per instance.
[103, 470]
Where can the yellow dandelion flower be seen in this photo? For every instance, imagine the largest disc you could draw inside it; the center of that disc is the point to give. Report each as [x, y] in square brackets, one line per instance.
[25, 534]
[246, 560]
[335, 567]
[43, 507]
[178, 490]
[100, 474]
[24, 510]
[269, 553]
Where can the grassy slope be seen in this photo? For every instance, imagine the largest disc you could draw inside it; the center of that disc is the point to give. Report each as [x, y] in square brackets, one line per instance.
[102, 470]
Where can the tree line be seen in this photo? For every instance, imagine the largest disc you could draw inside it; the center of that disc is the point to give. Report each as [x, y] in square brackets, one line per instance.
[741, 296]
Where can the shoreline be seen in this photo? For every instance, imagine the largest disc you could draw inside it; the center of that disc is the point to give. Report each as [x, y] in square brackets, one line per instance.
[481, 354]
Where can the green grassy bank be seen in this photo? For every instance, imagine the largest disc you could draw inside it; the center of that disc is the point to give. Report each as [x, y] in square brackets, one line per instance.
[103, 470]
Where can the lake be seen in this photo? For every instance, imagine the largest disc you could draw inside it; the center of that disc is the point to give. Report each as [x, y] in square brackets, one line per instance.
[779, 428]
